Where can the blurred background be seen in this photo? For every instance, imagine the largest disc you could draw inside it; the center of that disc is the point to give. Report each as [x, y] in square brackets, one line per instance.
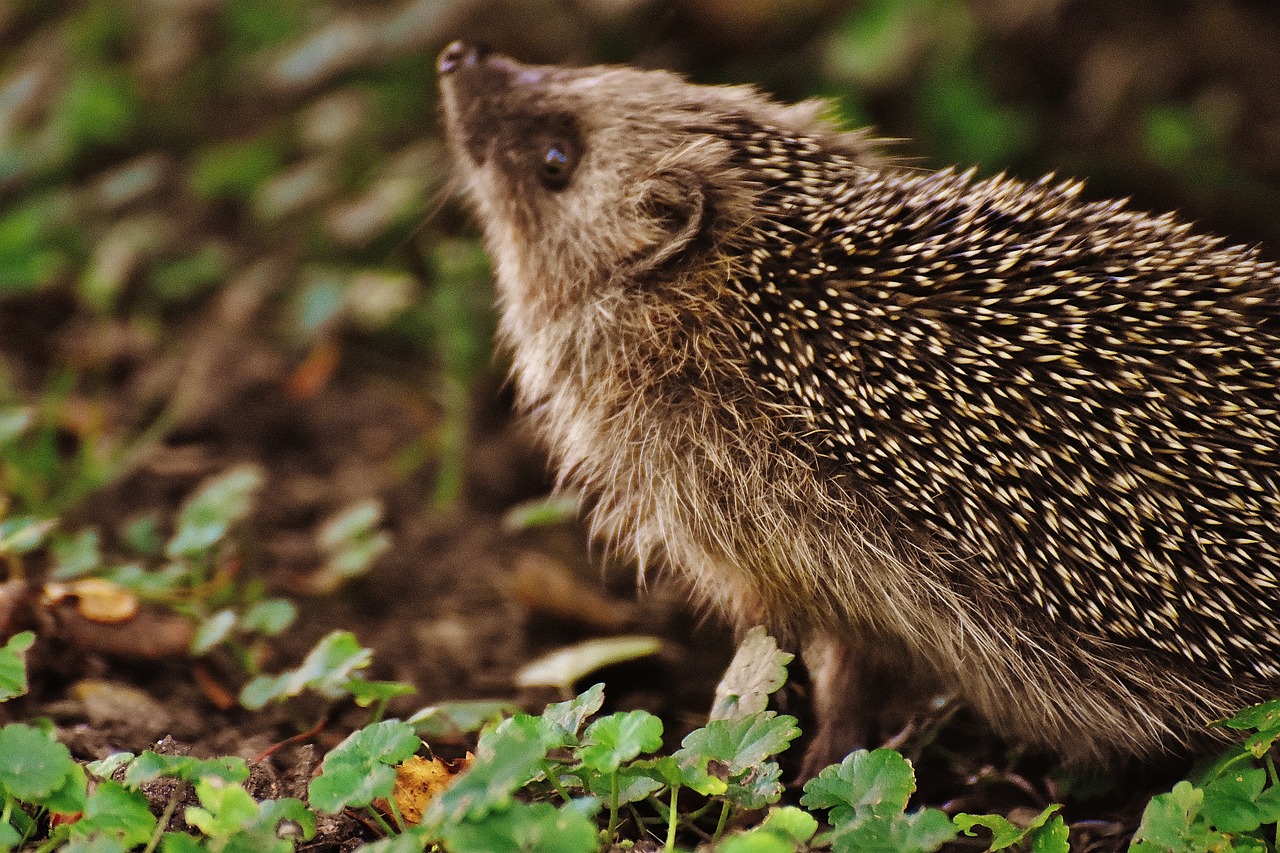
[225, 238]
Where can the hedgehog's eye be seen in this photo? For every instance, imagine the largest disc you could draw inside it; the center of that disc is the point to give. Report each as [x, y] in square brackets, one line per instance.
[557, 160]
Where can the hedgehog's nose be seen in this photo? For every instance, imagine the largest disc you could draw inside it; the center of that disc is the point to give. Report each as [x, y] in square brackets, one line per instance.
[460, 54]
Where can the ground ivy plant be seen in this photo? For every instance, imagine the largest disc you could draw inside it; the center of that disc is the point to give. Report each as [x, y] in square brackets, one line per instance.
[570, 780]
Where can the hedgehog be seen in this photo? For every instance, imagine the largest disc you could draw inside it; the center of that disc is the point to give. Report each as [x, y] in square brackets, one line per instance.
[950, 432]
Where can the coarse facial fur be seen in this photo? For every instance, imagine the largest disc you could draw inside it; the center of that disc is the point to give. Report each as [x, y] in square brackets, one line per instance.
[975, 432]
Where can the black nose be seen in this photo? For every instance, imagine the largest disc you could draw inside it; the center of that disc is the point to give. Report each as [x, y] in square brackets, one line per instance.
[460, 54]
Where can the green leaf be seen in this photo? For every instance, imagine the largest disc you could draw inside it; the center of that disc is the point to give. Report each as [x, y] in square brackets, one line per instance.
[327, 669]
[365, 693]
[236, 823]
[235, 169]
[1053, 837]
[22, 533]
[881, 781]
[142, 535]
[212, 631]
[105, 768]
[760, 786]
[757, 840]
[613, 740]
[10, 837]
[152, 765]
[570, 716]
[542, 512]
[270, 617]
[1003, 833]
[413, 840]
[1268, 803]
[790, 822]
[743, 743]
[154, 585]
[32, 764]
[362, 767]
[75, 555]
[224, 809]
[1264, 716]
[99, 106]
[889, 832]
[13, 665]
[273, 812]
[1168, 818]
[120, 812]
[344, 785]
[69, 797]
[507, 758]
[1229, 801]
[528, 828]
[757, 670]
[180, 279]
[180, 842]
[27, 260]
[690, 771]
[210, 512]
[635, 783]
[351, 539]
[93, 844]
[451, 720]
[254, 24]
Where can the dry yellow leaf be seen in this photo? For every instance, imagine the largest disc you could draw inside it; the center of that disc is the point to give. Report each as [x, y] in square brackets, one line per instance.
[100, 600]
[420, 780]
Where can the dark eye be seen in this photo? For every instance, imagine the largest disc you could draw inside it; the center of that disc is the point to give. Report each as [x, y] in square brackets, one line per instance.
[556, 165]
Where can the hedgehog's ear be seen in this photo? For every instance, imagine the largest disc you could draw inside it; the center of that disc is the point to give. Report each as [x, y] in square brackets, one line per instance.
[675, 205]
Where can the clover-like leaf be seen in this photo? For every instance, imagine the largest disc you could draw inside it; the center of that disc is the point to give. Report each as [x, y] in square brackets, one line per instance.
[893, 832]
[879, 781]
[209, 513]
[454, 719]
[529, 828]
[613, 740]
[327, 668]
[570, 716]
[506, 759]
[782, 830]
[152, 765]
[120, 812]
[1230, 801]
[742, 743]
[1168, 818]
[33, 765]
[757, 670]
[362, 768]
[1004, 833]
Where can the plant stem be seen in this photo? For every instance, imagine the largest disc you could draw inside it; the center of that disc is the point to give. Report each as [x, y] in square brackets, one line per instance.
[671, 821]
[614, 796]
[549, 772]
[380, 820]
[169, 808]
[724, 818]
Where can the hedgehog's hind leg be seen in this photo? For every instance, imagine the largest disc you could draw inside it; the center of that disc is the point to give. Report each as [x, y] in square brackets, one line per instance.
[862, 693]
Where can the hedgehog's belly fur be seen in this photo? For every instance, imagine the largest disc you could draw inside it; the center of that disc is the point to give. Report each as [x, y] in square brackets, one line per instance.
[1088, 700]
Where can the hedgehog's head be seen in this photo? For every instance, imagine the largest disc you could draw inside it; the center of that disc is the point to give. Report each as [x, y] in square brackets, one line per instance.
[588, 176]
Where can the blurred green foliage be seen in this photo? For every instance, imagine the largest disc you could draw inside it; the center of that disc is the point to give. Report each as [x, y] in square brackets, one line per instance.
[152, 153]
